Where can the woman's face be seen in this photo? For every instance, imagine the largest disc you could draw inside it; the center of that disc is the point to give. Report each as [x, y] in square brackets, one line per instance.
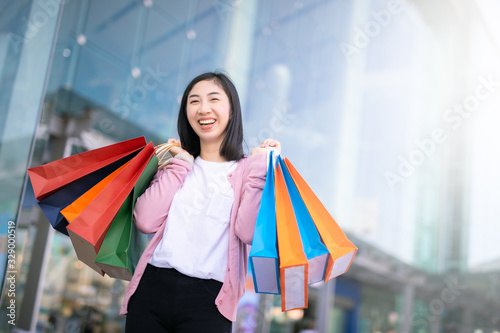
[208, 110]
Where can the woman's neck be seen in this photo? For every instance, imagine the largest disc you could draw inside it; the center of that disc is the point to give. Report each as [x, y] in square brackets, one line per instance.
[211, 152]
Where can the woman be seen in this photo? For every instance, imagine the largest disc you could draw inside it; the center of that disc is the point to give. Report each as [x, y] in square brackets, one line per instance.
[202, 208]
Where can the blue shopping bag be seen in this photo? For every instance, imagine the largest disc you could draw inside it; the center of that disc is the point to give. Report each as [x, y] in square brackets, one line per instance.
[52, 205]
[264, 262]
[315, 251]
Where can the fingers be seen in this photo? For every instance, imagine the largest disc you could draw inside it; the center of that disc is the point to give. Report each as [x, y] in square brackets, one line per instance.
[175, 141]
[271, 143]
[176, 149]
[266, 143]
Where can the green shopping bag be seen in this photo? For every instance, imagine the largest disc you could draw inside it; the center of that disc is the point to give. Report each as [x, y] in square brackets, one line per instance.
[123, 244]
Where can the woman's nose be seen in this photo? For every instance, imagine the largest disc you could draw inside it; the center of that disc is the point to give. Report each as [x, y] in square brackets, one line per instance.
[204, 107]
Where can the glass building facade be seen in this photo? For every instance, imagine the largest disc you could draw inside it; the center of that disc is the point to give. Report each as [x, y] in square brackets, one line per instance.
[388, 108]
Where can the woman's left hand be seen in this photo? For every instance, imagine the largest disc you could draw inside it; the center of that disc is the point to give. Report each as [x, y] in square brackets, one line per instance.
[266, 143]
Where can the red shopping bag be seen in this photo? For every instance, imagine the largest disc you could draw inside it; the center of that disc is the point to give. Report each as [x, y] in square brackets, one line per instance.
[293, 261]
[88, 229]
[48, 178]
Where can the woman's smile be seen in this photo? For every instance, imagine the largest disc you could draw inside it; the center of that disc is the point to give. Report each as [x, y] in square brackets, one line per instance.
[206, 123]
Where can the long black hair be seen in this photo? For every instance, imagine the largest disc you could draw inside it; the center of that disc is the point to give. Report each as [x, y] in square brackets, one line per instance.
[232, 145]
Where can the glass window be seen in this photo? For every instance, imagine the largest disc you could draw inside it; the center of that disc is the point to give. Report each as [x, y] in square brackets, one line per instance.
[363, 96]
[27, 30]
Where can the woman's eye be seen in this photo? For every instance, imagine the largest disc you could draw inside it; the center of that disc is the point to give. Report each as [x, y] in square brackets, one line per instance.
[214, 99]
[193, 101]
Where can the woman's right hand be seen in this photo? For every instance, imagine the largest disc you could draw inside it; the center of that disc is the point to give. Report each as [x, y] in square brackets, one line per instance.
[176, 149]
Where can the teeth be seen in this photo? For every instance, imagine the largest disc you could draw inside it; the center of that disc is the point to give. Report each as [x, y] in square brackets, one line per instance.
[207, 122]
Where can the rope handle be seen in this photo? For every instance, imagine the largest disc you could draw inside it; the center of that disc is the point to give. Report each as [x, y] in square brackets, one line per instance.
[162, 152]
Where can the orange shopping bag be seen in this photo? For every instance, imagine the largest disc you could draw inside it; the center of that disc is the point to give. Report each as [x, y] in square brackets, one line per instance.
[342, 251]
[316, 252]
[293, 261]
[88, 229]
[72, 211]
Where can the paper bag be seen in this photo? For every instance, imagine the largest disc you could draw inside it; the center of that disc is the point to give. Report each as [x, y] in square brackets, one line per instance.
[48, 178]
[123, 243]
[315, 251]
[263, 258]
[342, 251]
[293, 261]
[88, 229]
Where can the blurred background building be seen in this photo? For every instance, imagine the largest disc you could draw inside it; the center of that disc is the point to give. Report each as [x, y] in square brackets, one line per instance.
[388, 108]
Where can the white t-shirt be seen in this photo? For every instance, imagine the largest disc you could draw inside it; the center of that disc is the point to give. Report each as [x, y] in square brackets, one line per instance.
[196, 237]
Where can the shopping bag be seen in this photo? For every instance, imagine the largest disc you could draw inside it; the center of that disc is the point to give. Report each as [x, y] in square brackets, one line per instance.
[315, 251]
[88, 229]
[123, 243]
[263, 258]
[293, 261]
[73, 210]
[342, 251]
[48, 178]
[52, 205]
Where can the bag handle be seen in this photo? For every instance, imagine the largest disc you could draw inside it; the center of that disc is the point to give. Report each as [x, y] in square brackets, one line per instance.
[272, 155]
[162, 152]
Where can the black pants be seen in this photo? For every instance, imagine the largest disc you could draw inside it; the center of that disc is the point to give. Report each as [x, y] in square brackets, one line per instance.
[168, 301]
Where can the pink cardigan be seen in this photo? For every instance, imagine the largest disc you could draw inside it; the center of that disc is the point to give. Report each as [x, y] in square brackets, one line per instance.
[152, 208]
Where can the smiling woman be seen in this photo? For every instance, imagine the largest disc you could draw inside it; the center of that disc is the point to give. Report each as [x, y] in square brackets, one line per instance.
[202, 208]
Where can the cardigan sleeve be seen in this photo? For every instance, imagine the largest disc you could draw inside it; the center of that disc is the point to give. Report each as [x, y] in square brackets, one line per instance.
[152, 206]
[253, 184]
